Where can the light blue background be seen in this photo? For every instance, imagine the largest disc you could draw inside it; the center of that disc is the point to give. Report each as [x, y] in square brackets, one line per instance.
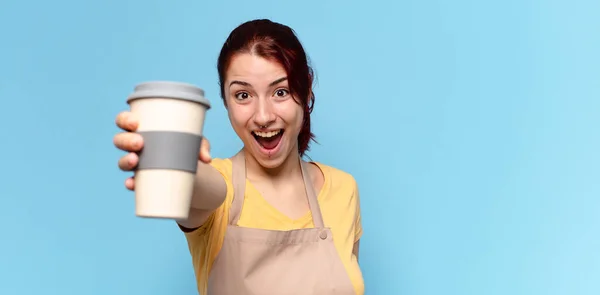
[471, 127]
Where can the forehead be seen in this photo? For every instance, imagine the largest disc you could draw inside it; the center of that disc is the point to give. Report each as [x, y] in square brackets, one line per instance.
[254, 69]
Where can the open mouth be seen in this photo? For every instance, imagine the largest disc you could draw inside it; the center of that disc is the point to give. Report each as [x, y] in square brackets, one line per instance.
[269, 139]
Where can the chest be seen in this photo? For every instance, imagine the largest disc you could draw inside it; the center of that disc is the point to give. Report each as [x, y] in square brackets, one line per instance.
[283, 208]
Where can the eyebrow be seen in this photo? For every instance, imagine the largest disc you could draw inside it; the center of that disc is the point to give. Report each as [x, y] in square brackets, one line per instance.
[249, 85]
[278, 81]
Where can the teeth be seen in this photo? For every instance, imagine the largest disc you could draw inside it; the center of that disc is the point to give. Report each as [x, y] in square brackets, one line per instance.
[267, 134]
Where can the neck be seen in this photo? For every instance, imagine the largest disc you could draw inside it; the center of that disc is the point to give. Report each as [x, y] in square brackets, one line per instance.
[289, 168]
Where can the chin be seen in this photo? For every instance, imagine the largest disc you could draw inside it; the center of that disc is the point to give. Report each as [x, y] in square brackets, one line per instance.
[270, 149]
[272, 163]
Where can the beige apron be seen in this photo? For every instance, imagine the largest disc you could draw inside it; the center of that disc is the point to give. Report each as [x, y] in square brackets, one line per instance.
[258, 261]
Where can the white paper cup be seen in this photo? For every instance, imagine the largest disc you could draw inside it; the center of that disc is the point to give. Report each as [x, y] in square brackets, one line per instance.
[171, 119]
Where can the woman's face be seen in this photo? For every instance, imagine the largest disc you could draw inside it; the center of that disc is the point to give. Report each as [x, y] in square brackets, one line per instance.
[261, 109]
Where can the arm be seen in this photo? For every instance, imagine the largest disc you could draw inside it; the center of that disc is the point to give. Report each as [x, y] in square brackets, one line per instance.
[210, 190]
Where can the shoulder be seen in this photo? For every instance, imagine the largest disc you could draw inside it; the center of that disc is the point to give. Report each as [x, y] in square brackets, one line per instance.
[340, 203]
[338, 184]
[223, 165]
[336, 177]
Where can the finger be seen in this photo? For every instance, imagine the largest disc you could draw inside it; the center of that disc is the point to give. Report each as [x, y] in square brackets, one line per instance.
[127, 121]
[130, 183]
[128, 162]
[128, 141]
[205, 151]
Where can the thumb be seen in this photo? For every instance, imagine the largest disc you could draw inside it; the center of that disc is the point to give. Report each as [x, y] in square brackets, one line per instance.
[204, 154]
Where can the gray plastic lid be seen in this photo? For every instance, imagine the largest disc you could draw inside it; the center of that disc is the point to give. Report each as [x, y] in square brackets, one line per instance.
[169, 89]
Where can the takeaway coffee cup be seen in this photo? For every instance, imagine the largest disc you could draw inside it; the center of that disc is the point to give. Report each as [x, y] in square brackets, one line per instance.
[171, 117]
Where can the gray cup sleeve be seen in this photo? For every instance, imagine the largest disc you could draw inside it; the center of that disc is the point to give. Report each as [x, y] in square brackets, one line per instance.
[169, 150]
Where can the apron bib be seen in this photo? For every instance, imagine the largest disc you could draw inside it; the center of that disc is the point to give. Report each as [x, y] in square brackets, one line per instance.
[258, 261]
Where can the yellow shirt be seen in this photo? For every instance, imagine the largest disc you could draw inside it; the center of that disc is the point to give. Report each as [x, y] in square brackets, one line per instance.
[340, 207]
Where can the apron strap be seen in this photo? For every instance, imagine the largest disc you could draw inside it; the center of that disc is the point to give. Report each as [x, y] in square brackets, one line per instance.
[239, 186]
[239, 191]
[313, 201]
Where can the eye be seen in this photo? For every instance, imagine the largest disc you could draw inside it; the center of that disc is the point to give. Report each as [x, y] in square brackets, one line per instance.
[281, 93]
[242, 95]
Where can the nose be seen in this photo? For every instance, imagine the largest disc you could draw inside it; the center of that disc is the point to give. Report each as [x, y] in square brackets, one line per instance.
[264, 115]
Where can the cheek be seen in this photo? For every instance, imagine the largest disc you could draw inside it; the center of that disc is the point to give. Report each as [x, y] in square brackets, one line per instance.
[293, 115]
[239, 116]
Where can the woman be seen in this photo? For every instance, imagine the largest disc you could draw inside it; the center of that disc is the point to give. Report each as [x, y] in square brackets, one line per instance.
[265, 221]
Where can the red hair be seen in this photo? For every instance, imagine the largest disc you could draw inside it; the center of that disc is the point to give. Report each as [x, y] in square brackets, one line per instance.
[274, 41]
